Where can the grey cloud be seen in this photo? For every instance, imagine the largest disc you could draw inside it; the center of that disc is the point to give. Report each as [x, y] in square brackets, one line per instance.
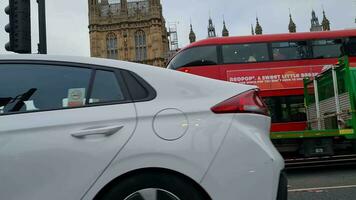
[67, 20]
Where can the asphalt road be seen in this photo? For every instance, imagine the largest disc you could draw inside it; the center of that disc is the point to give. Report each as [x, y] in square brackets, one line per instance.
[328, 183]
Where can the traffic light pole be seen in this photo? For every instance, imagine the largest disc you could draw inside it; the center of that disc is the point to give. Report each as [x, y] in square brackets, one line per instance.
[42, 46]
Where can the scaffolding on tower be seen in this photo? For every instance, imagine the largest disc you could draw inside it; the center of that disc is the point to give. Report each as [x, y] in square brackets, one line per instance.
[173, 36]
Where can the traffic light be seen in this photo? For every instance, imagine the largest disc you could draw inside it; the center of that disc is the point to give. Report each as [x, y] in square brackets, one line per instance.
[19, 27]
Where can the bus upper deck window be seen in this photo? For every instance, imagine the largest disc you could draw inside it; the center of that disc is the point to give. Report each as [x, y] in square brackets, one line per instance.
[241, 53]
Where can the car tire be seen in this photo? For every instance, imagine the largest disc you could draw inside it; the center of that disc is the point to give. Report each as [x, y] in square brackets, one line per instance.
[164, 185]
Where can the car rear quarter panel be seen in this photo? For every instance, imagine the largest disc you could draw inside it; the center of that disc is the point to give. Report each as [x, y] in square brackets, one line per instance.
[247, 165]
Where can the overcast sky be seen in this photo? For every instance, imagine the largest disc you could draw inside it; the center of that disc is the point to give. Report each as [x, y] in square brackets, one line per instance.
[67, 20]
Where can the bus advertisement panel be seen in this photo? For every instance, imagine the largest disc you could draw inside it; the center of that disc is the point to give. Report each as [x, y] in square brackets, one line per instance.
[274, 78]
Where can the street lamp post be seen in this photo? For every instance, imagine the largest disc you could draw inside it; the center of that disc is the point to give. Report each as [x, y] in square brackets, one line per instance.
[42, 45]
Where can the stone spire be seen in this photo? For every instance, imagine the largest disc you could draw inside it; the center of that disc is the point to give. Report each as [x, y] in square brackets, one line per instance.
[154, 2]
[325, 23]
[252, 31]
[225, 32]
[123, 6]
[315, 25]
[291, 27]
[93, 10]
[192, 37]
[258, 29]
[211, 29]
[93, 2]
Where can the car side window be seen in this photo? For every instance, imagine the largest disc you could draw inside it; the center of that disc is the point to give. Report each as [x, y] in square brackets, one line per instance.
[106, 88]
[33, 87]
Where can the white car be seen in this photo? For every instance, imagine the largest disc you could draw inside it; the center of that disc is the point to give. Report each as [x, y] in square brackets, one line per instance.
[86, 128]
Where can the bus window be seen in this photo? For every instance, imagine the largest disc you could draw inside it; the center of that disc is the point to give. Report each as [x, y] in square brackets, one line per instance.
[351, 46]
[290, 50]
[245, 53]
[286, 109]
[198, 56]
[326, 48]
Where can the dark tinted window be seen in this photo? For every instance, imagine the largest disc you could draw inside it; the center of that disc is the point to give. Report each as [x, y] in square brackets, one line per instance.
[199, 56]
[326, 48]
[245, 53]
[41, 87]
[139, 89]
[290, 50]
[106, 88]
[286, 108]
[350, 46]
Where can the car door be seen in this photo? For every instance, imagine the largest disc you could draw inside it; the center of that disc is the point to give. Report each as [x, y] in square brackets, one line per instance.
[60, 127]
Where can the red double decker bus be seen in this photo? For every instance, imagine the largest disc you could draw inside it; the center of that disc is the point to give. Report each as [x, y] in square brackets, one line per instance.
[277, 63]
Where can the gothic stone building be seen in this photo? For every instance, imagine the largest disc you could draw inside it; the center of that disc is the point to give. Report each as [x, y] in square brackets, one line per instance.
[128, 30]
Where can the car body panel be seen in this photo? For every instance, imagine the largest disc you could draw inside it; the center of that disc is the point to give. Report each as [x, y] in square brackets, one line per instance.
[247, 166]
[41, 160]
[217, 151]
[190, 155]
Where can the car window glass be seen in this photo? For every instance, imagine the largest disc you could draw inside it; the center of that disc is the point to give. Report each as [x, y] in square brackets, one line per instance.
[199, 56]
[106, 88]
[245, 53]
[135, 85]
[41, 87]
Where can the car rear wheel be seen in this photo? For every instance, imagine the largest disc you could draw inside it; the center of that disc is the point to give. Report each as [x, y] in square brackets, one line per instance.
[153, 186]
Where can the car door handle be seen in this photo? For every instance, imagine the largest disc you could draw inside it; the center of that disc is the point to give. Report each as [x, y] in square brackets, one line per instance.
[105, 131]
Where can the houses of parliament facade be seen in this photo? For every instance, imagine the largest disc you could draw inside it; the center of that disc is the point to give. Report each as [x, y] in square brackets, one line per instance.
[135, 30]
[128, 30]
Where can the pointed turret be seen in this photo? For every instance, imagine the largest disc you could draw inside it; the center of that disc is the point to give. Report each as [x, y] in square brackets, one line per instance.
[123, 6]
[211, 29]
[192, 37]
[291, 27]
[325, 23]
[154, 2]
[258, 29]
[252, 31]
[315, 25]
[93, 2]
[93, 10]
[225, 32]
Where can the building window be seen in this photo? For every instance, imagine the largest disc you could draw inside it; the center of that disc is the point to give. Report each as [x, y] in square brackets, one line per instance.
[111, 46]
[140, 46]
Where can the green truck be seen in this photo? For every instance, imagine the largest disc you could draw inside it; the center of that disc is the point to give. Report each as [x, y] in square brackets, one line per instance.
[330, 103]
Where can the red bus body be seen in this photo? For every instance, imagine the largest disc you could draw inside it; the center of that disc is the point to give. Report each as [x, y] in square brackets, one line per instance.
[276, 78]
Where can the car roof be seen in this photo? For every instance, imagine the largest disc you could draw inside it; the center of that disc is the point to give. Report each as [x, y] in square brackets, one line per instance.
[75, 59]
[174, 81]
